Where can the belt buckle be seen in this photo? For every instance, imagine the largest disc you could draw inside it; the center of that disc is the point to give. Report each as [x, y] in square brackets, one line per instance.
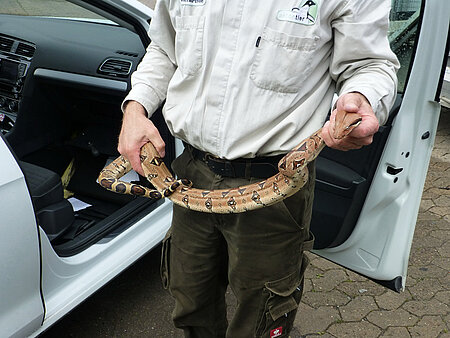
[210, 161]
[209, 156]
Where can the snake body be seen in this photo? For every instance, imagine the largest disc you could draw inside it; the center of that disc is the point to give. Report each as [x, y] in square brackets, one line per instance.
[292, 176]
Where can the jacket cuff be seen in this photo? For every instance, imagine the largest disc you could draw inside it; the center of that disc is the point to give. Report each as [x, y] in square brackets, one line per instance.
[145, 95]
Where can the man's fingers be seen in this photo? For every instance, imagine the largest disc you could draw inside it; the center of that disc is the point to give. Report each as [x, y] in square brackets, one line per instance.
[362, 135]
[347, 143]
[132, 153]
[354, 142]
[326, 135]
[136, 131]
[365, 130]
[157, 141]
[135, 161]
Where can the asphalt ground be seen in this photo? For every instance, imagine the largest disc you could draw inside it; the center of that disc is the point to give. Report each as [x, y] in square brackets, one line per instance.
[336, 302]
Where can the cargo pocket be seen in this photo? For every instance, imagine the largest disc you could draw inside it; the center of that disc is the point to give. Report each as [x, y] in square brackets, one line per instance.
[282, 62]
[281, 299]
[165, 260]
[189, 43]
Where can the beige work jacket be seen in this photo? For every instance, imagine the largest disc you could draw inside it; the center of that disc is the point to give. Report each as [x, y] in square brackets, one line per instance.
[245, 78]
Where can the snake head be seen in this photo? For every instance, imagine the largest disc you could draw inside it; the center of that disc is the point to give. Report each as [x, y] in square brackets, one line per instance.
[345, 122]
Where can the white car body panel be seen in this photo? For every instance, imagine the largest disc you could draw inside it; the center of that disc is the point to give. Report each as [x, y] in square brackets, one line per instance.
[21, 310]
[380, 244]
[67, 281]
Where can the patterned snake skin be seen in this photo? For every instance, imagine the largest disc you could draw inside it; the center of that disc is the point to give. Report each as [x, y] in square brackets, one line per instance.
[292, 176]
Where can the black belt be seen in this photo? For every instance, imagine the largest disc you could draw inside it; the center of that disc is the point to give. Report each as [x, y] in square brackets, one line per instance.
[258, 167]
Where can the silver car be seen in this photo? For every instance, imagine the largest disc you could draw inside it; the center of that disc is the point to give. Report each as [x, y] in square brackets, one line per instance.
[64, 69]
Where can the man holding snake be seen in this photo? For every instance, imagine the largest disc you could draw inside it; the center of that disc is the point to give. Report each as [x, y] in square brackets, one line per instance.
[244, 82]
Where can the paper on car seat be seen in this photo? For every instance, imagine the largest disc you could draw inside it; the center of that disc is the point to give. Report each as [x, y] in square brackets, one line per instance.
[77, 204]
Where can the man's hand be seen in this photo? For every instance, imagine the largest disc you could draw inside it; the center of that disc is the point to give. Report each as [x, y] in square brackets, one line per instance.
[136, 131]
[361, 135]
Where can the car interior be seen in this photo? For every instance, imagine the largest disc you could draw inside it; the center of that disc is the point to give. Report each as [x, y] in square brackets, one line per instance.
[61, 87]
[62, 81]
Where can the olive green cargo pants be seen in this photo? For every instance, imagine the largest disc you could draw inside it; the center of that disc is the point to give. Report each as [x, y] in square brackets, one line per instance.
[258, 253]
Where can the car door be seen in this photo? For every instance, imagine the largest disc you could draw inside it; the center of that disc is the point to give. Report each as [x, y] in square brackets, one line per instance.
[21, 305]
[366, 201]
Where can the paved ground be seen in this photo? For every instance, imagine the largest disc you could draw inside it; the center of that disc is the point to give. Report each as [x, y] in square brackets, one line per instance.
[337, 302]
[150, 3]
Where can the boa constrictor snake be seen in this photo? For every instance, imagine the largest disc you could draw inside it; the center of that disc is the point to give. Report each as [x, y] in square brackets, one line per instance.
[292, 176]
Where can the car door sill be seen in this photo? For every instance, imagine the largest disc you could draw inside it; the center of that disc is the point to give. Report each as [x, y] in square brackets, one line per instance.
[110, 227]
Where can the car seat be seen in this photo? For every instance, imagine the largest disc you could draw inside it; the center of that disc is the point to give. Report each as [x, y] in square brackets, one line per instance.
[54, 213]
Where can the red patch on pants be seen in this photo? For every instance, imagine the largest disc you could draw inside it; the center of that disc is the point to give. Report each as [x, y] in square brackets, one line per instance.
[276, 332]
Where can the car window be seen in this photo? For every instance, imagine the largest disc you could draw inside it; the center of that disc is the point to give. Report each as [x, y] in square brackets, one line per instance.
[49, 8]
[403, 28]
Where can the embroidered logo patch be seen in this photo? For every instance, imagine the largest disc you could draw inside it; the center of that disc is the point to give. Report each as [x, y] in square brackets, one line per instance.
[276, 332]
[306, 13]
[193, 2]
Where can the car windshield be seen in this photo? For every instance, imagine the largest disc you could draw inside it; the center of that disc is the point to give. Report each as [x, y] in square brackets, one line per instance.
[61, 9]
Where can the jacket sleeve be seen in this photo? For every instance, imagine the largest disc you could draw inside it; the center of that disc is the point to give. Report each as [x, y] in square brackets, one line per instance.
[150, 80]
[362, 60]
